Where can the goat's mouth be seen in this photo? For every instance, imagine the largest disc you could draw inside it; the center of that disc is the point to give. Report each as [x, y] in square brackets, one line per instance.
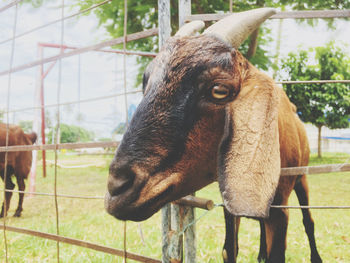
[139, 203]
[135, 211]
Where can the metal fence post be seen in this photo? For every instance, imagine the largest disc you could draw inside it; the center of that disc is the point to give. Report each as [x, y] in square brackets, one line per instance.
[164, 34]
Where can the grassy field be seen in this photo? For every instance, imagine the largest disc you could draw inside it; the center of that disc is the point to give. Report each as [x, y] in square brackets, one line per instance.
[87, 220]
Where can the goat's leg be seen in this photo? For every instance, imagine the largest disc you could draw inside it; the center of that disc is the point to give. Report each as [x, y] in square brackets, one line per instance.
[9, 185]
[21, 187]
[230, 249]
[276, 232]
[302, 190]
[263, 250]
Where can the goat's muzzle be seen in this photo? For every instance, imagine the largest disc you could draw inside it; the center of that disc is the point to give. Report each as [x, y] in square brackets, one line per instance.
[121, 178]
[123, 189]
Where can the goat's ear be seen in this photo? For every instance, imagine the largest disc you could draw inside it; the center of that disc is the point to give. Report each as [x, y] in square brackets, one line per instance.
[249, 155]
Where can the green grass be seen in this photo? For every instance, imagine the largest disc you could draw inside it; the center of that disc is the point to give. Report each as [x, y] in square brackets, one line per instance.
[87, 220]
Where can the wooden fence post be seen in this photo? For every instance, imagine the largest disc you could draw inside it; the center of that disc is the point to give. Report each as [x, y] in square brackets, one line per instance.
[188, 215]
[163, 21]
[175, 250]
[190, 235]
[164, 33]
[184, 10]
[175, 217]
[166, 224]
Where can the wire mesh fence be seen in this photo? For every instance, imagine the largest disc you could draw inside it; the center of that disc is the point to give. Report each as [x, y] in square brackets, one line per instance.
[57, 62]
[64, 52]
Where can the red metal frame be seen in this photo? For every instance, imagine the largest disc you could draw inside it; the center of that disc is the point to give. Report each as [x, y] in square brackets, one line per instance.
[42, 77]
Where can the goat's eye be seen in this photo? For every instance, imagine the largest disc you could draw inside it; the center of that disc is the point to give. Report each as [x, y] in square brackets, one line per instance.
[220, 92]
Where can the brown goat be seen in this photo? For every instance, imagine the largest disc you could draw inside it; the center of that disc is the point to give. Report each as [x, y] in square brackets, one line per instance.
[18, 163]
[208, 114]
[294, 151]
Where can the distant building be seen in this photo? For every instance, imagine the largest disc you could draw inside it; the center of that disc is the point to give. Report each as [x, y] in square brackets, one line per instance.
[336, 140]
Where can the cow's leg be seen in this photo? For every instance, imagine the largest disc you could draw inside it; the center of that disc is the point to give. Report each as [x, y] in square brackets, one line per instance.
[21, 187]
[9, 185]
[262, 251]
[230, 249]
[302, 191]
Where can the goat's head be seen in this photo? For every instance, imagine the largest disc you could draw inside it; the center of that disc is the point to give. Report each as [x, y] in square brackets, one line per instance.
[206, 114]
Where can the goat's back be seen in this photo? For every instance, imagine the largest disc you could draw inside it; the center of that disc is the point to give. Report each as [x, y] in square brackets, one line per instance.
[294, 145]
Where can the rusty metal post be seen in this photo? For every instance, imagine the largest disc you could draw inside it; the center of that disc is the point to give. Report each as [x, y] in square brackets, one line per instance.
[42, 104]
[32, 176]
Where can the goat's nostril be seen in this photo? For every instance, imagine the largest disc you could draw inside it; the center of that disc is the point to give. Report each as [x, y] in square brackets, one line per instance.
[120, 180]
[117, 186]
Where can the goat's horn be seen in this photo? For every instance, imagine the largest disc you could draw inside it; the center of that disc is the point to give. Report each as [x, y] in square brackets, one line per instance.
[235, 28]
[190, 29]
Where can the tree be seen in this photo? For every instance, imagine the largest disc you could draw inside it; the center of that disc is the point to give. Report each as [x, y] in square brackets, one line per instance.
[120, 129]
[143, 15]
[2, 114]
[72, 133]
[27, 126]
[321, 104]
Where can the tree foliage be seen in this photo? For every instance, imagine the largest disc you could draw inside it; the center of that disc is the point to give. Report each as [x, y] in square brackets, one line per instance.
[120, 129]
[320, 104]
[144, 15]
[2, 114]
[27, 126]
[72, 133]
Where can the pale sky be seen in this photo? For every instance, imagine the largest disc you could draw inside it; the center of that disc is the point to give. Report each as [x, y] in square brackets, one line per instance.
[101, 73]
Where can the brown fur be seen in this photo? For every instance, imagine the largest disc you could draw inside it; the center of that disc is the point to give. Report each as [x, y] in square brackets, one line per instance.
[173, 144]
[294, 151]
[18, 163]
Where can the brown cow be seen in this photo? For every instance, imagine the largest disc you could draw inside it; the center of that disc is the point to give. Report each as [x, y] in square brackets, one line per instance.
[18, 163]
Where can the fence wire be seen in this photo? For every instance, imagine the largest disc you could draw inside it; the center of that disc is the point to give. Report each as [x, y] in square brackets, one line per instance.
[5, 207]
[125, 32]
[301, 14]
[108, 43]
[59, 86]
[53, 22]
[57, 146]
[81, 243]
[13, 3]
